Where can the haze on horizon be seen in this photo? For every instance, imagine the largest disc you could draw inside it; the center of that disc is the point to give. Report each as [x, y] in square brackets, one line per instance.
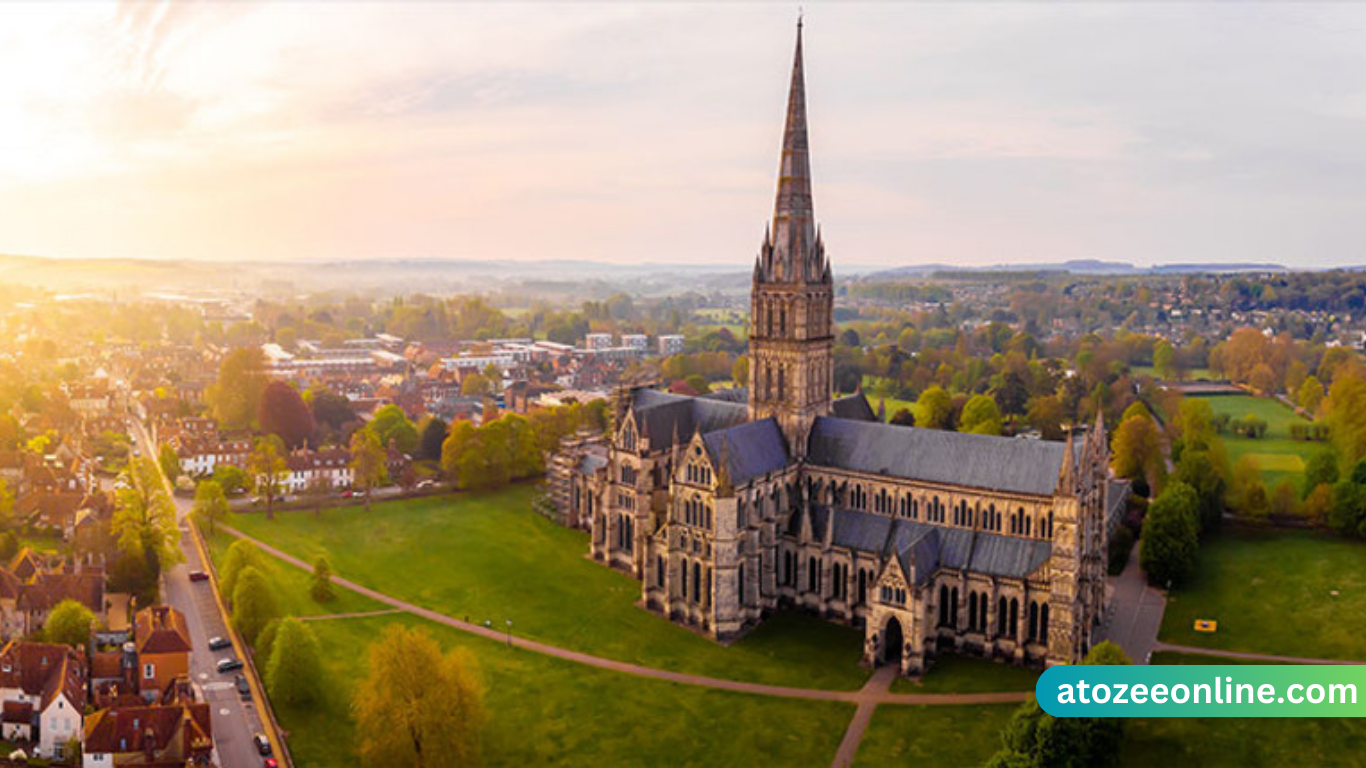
[629, 133]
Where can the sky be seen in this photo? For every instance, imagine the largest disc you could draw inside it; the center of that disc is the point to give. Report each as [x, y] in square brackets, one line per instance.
[967, 134]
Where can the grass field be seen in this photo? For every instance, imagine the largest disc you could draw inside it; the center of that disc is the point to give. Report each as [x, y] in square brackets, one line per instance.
[933, 736]
[291, 586]
[1279, 457]
[962, 674]
[491, 558]
[545, 711]
[1271, 592]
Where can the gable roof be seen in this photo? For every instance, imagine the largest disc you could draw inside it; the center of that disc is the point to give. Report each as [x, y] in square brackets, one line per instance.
[853, 407]
[1006, 464]
[749, 450]
[125, 730]
[161, 629]
[661, 415]
[45, 590]
[43, 670]
[924, 548]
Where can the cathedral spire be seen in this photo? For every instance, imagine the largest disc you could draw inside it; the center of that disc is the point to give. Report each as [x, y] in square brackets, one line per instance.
[795, 254]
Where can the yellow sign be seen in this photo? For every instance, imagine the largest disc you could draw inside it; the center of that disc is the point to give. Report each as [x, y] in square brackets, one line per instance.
[1206, 625]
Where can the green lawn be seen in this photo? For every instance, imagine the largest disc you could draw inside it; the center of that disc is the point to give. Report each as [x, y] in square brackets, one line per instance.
[1279, 457]
[1271, 592]
[544, 711]
[933, 736]
[291, 586]
[964, 674]
[490, 557]
[1244, 742]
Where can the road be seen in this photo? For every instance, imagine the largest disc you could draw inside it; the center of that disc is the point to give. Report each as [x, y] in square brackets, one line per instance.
[234, 721]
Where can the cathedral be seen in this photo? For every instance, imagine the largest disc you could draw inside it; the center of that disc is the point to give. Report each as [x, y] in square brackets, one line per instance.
[731, 506]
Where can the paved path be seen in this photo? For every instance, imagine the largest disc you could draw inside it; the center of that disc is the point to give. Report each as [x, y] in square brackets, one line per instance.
[879, 683]
[814, 694]
[1160, 646]
[1136, 614]
[357, 615]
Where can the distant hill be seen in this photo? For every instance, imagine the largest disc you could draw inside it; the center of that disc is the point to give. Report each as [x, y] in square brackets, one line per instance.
[1077, 267]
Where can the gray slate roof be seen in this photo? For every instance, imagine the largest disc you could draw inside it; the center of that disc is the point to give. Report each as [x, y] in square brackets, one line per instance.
[854, 407]
[928, 547]
[954, 458]
[751, 450]
[661, 415]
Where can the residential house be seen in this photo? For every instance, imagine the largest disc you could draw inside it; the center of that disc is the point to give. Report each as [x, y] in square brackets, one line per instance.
[160, 735]
[162, 641]
[48, 683]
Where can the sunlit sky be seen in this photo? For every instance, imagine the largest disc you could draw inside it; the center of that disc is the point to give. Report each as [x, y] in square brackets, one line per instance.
[941, 132]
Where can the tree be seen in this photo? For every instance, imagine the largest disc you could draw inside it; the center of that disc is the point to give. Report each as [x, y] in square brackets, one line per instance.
[282, 412]
[233, 479]
[1310, 395]
[980, 416]
[1322, 468]
[169, 461]
[144, 523]
[69, 624]
[1247, 493]
[265, 643]
[1138, 450]
[267, 466]
[241, 555]
[295, 666]
[1045, 413]
[1346, 416]
[1285, 500]
[417, 707]
[1198, 469]
[460, 442]
[433, 434]
[320, 587]
[367, 462]
[253, 604]
[475, 385]
[739, 371]
[1164, 361]
[1318, 505]
[1170, 543]
[236, 394]
[698, 383]
[935, 408]
[331, 411]
[904, 417]
[7, 521]
[1107, 652]
[9, 546]
[210, 503]
[1035, 739]
[392, 427]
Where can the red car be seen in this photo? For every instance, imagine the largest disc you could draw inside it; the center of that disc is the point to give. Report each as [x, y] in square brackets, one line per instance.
[271, 763]
[198, 576]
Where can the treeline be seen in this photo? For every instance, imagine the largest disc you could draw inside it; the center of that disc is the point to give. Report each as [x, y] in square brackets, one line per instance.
[513, 447]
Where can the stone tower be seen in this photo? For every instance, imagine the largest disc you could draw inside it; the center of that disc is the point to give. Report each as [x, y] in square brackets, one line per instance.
[791, 307]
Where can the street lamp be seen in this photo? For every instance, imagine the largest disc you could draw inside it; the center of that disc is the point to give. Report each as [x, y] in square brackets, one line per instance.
[509, 633]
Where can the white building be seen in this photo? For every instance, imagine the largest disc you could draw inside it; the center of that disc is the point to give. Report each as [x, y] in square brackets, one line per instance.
[635, 341]
[597, 341]
[671, 345]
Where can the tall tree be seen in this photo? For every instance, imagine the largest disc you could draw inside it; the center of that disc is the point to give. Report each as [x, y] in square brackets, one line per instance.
[242, 554]
[267, 467]
[980, 416]
[320, 585]
[456, 450]
[367, 463]
[253, 604]
[283, 412]
[210, 504]
[236, 394]
[1137, 449]
[144, 522]
[392, 427]
[934, 409]
[1170, 541]
[169, 461]
[295, 666]
[417, 707]
[432, 435]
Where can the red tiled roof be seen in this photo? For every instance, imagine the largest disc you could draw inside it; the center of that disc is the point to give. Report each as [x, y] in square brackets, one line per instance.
[161, 629]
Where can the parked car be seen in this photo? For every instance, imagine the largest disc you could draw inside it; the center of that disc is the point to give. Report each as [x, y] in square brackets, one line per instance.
[426, 484]
[243, 687]
[228, 665]
[198, 576]
[270, 763]
[262, 743]
[219, 643]
[348, 494]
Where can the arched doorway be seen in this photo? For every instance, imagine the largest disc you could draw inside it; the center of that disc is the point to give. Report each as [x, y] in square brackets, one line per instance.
[892, 641]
